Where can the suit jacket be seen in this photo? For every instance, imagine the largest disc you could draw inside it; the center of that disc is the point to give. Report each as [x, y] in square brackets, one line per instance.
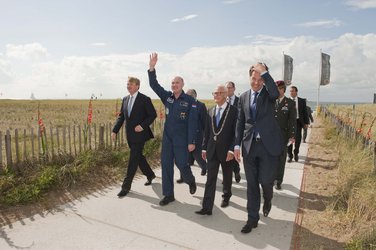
[303, 114]
[202, 113]
[143, 113]
[236, 101]
[266, 123]
[225, 140]
[285, 113]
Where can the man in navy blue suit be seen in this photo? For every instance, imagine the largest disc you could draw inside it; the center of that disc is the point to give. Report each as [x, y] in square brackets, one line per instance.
[259, 135]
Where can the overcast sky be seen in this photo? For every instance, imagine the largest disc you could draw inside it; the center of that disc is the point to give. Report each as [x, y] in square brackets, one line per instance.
[74, 48]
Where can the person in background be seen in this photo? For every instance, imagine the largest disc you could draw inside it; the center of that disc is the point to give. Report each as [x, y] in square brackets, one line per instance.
[196, 154]
[259, 135]
[285, 113]
[305, 129]
[179, 134]
[233, 100]
[218, 149]
[138, 113]
[301, 122]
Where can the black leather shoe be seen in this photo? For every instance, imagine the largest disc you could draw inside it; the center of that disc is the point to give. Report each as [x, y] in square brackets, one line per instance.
[192, 187]
[225, 203]
[179, 180]
[203, 172]
[166, 200]
[266, 208]
[248, 227]
[237, 177]
[122, 193]
[204, 212]
[150, 180]
[289, 160]
[296, 157]
[278, 186]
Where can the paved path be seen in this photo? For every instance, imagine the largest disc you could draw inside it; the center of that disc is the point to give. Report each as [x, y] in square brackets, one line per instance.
[102, 221]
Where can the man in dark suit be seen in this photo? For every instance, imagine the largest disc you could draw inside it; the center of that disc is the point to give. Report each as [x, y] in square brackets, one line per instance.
[310, 119]
[233, 100]
[258, 133]
[285, 113]
[301, 122]
[138, 112]
[217, 148]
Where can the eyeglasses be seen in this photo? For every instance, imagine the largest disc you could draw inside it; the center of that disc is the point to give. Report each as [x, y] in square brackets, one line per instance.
[218, 93]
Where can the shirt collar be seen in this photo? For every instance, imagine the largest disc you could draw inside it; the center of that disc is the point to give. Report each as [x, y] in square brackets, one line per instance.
[135, 94]
[223, 106]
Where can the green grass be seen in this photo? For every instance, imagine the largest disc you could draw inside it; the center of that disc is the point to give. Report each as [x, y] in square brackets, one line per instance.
[34, 181]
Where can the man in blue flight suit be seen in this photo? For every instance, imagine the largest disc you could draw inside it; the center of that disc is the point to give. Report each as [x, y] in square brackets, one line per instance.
[179, 132]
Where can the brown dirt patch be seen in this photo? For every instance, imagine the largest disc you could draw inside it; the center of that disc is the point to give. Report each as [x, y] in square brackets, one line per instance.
[317, 229]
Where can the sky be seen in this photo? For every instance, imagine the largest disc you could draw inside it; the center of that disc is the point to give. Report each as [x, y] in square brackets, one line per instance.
[72, 49]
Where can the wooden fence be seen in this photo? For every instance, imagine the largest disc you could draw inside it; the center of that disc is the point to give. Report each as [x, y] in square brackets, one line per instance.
[30, 145]
[352, 133]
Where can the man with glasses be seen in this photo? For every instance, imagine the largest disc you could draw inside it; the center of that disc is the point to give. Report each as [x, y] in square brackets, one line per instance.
[217, 148]
[259, 135]
[179, 134]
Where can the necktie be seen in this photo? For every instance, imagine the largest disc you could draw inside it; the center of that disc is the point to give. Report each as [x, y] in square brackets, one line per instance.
[253, 106]
[130, 104]
[218, 116]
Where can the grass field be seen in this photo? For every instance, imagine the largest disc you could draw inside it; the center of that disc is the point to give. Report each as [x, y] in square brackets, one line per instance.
[362, 116]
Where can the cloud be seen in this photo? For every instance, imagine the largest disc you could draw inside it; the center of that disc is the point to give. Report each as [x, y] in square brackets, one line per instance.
[232, 1]
[98, 44]
[266, 39]
[184, 18]
[322, 23]
[352, 74]
[362, 4]
[31, 51]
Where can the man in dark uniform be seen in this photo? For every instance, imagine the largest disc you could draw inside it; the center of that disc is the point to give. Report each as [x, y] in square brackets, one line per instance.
[179, 132]
[196, 154]
[233, 100]
[285, 113]
[138, 112]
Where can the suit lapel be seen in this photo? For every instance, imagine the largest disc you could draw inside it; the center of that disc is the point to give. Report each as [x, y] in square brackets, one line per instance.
[134, 104]
[247, 103]
[223, 115]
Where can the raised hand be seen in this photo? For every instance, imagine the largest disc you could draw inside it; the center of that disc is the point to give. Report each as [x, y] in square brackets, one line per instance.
[153, 61]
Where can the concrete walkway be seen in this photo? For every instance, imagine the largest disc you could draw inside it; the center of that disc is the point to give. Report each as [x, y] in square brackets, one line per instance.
[102, 221]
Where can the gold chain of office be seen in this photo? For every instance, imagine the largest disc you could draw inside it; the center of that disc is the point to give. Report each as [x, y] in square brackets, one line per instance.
[223, 124]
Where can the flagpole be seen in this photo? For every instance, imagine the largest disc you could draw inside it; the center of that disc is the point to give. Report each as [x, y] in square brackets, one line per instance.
[283, 67]
[318, 88]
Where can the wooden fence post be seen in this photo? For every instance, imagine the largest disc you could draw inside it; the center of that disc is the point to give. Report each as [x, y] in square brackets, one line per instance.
[17, 146]
[39, 150]
[69, 141]
[374, 157]
[52, 143]
[65, 139]
[101, 137]
[57, 140]
[74, 139]
[8, 149]
[24, 145]
[106, 134]
[32, 143]
[79, 137]
[46, 144]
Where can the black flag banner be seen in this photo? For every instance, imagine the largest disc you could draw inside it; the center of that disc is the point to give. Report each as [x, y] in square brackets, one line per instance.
[325, 69]
[287, 69]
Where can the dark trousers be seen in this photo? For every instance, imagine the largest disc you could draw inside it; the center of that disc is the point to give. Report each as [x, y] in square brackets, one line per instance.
[136, 159]
[298, 140]
[211, 182]
[235, 166]
[174, 154]
[260, 168]
[281, 166]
